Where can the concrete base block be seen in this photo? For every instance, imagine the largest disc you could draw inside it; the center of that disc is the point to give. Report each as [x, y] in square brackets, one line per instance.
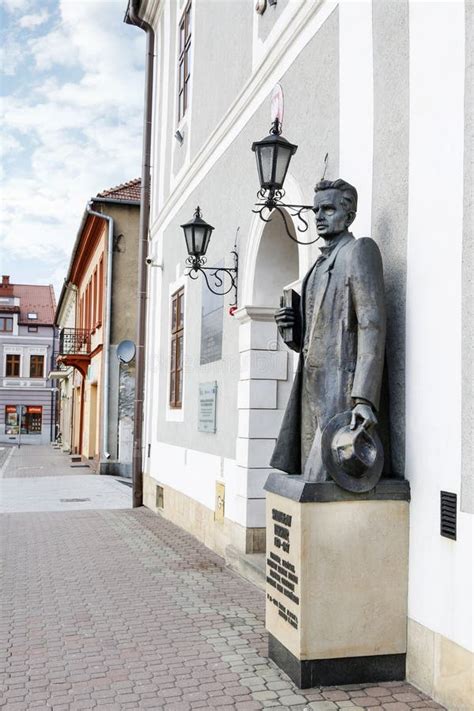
[337, 579]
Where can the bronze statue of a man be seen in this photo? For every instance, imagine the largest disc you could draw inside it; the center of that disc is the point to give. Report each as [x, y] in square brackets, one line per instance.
[341, 336]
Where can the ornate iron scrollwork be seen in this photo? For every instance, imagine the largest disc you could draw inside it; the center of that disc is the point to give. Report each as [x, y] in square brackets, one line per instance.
[273, 201]
[217, 274]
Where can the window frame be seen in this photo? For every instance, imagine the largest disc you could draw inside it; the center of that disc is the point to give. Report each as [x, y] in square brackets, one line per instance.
[184, 60]
[36, 356]
[176, 357]
[17, 358]
[3, 322]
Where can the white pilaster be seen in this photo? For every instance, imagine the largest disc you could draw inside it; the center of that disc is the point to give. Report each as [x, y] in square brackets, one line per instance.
[356, 113]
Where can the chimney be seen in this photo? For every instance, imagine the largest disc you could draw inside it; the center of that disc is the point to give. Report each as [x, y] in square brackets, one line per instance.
[6, 289]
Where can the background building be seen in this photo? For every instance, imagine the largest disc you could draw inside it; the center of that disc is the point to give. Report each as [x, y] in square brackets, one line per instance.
[384, 89]
[96, 311]
[27, 339]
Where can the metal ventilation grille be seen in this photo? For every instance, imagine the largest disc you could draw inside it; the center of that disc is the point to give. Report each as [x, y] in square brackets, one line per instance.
[448, 514]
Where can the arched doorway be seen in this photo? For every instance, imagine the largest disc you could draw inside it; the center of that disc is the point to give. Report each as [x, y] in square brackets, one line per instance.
[266, 365]
[277, 263]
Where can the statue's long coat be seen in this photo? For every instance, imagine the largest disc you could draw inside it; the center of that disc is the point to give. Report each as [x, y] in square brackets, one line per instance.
[346, 346]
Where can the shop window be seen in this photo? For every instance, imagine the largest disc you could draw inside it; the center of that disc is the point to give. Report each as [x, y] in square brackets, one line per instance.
[12, 368]
[6, 325]
[32, 420]
[177, 343]
[30, 416]
[184, 62]
[36, 366]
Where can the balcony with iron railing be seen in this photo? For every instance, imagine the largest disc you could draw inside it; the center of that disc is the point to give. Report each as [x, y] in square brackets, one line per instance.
[74, 341]
[75, 348]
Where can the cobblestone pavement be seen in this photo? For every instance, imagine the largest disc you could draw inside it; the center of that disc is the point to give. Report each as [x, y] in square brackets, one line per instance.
[122, 610]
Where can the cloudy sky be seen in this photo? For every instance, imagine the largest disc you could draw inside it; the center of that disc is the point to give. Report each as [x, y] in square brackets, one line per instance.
[71, 120]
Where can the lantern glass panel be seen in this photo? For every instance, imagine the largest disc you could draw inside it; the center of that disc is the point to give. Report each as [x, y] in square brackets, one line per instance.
[283, 158]
[265, 164]
[188, 236]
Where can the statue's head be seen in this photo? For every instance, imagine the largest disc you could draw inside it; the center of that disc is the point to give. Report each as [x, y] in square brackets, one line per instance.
[335, 207]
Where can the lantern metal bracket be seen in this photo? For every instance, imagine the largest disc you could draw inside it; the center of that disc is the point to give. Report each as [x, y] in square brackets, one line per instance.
[217, 274]
[272, 201]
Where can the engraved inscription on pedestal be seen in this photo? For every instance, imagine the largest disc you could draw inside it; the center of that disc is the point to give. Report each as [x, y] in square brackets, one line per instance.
[282, 576]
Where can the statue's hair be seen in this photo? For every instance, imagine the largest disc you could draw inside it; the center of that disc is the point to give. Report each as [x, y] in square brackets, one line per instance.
[349, 193]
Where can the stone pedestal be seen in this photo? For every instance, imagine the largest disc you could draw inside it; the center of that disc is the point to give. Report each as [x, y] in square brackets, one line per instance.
[337, 578]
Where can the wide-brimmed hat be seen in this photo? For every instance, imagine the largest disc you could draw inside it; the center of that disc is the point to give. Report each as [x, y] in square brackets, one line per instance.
[354, 458]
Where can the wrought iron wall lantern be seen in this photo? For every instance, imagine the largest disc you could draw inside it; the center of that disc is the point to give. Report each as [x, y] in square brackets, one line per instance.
[273, 154]
[197, 234]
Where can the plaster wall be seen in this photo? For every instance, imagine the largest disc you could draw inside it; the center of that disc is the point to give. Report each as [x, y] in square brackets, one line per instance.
[390, 197]
[440, 592]
[123, 310]
[125, 270]
[467, 487]
[232, 170]
[217, 78]
[66, 319]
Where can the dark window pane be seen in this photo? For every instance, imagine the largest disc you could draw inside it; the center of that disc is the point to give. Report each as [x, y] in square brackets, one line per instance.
[172, 389]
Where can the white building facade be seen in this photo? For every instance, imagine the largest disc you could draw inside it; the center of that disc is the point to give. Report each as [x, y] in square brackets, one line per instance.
[384, 88]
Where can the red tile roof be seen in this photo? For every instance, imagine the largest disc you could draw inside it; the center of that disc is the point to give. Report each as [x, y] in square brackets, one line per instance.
[35, 299]
[125, 191]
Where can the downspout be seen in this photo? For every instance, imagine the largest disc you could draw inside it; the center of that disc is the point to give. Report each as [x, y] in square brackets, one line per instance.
[132, 18]
[107, 320]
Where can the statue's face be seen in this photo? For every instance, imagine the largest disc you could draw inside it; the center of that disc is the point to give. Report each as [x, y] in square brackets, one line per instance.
[332, 217]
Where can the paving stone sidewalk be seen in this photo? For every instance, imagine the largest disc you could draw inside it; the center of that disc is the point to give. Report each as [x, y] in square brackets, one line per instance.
[122, 610]
[40, 478]
[38, 460]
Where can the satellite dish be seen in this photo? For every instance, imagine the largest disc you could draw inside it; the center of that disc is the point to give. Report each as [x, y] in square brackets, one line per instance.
[126, 351]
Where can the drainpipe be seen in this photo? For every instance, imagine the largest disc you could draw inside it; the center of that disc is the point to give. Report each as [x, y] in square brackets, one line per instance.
[107, 320]
[132, 18]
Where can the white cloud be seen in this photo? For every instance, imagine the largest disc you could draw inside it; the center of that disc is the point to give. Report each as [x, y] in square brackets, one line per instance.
[33, 20]
[74, 120]
[15, 5]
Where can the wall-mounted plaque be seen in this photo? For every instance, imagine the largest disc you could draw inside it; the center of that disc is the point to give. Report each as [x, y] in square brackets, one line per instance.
[207, 407]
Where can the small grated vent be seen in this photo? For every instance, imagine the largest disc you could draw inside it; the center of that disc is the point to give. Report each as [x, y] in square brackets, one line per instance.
[73, 501]
[448, 514]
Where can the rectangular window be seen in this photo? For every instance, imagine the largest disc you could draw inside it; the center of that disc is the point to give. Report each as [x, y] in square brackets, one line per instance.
[101, 291]
[36, 366]
[95, 317]
[12, 369]
[32, 329]
[184, 62]
[177, 343]
[6, 325]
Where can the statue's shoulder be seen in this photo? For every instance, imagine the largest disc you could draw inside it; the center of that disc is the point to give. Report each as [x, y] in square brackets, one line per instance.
[364, 254]
[363, 246]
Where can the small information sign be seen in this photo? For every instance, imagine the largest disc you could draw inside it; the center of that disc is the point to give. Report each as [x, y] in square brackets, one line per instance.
[207, 407]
